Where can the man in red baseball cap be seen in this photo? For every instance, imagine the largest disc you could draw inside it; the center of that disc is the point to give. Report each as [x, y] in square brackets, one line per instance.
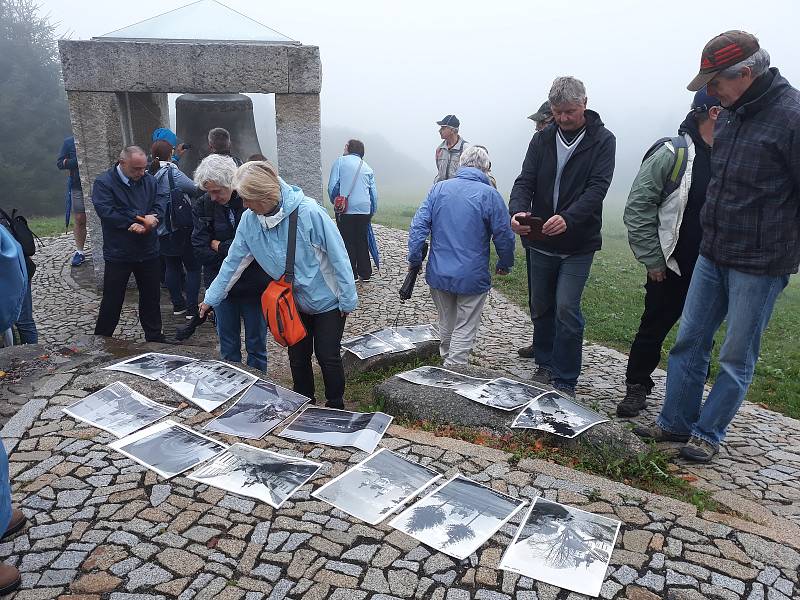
[750, 243]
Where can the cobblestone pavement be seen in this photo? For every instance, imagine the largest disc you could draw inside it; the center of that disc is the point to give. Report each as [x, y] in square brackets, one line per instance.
[103, 526]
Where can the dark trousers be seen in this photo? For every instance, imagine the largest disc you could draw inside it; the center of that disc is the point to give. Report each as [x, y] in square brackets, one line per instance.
[354, 233]
[115, 281]
[178, 283]
[663, 305]
[324, 339]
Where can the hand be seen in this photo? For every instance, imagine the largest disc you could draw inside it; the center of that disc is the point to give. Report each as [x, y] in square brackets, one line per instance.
[215, 245]
[343, 314]
[657, 275]
[501, 272]
[180, 149]
[137, 228]
[150, 222]
[555, 225]
[204, 309]
[518, 227]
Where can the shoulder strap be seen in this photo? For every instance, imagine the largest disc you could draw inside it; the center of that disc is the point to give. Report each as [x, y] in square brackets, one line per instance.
[171, 179]
[355, 178]
[681, 149]
[288, 275]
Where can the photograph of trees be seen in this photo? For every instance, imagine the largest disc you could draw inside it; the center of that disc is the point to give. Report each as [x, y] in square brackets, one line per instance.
[554, 413]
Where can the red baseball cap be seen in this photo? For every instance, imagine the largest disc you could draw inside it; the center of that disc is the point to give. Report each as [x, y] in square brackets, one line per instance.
[721, 52]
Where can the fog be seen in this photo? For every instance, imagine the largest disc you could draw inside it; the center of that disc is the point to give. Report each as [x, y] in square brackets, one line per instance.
[391, 70]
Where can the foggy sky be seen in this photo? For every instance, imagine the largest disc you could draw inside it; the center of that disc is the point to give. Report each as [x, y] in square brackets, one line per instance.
[396, 68]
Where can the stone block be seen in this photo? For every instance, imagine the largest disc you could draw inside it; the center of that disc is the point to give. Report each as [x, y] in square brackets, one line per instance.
[299, 141]
[354, 365]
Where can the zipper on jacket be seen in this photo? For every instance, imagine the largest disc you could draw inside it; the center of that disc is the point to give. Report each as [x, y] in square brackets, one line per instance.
[722, 181]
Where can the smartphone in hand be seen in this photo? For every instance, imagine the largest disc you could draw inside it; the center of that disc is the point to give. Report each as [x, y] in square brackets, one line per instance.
[535, 223]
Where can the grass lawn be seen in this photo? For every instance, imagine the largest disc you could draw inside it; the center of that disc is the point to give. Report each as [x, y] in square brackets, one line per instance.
[613, 303]
[45, 226]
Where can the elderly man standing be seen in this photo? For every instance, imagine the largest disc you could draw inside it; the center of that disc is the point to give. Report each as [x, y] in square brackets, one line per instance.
[750, 244]
[564, 179]
[461, 216]
[125, 199]
[448, 153]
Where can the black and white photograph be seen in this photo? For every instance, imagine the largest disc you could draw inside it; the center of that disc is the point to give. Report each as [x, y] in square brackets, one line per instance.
[556, 414]
[260, 409]
[151, 365]
[117, 409]
[208, 383]
[335, 427]
[366, 346]
[563, 546]
[458, 517]
[417, 334]
[168, 448]
[394, 339]
[377, 486]
[442, 378]
[503, 393]
[260, 474]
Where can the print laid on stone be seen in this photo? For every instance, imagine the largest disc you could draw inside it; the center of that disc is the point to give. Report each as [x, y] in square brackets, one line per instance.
[263, 407]
[168, 448]
[557, 414]
[336, 427]
[260, 474]
[117, 409]
[208, 383]
[377, 486]
[151, 365]
[503, 393]
[443, 378]
[562, 546]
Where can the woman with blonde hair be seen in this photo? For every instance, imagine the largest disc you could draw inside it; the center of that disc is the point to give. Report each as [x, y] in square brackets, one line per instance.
[323, 286]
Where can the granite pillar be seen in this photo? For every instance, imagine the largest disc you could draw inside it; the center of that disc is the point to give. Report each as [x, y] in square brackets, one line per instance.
[299, 141]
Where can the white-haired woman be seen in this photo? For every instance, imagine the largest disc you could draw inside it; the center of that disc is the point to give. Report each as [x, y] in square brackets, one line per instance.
[323, 287]
[461, 215]
[217, 215]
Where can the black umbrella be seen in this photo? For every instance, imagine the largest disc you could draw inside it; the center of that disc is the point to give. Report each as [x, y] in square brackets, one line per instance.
[411, 277]
[185, 332]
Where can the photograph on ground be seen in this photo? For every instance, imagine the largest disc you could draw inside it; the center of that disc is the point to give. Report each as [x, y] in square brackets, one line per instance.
[398, 342]
[366, 346]
[151, 365]
[458, 517]
[377, 486]
[260, 409]
[118, 410]
[260, 474]
[336, 427]
[168, 448]
[503, 393]
[208, 383]
[417, 334]
[563, 546]
[442, 378]
[556, 414]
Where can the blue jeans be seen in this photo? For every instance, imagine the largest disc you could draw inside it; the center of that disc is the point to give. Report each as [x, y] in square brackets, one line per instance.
[715, 293]
[26, 327]
[230, 314]
[174, 276]
[556, 289]
[5, 490]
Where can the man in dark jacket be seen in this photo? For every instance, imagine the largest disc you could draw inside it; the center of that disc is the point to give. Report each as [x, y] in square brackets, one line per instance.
[68, 161]
[564, 179]
[216, 216]
[124, 197]
[750, 244]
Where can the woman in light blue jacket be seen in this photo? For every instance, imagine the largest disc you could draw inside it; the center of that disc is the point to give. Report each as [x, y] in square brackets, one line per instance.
[323, 288]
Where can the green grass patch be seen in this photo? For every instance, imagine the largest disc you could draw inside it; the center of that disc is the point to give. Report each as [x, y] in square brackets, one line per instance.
[48, 226]
[614, 299]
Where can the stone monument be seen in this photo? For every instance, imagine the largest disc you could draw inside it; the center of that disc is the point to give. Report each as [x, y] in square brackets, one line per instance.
[117, 87]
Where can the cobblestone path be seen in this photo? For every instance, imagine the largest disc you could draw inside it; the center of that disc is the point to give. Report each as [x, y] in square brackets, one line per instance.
[104, 527]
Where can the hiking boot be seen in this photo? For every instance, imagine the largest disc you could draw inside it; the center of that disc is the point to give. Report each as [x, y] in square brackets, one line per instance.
[78, 259]
[565, 390]
[526, 352]
[698, 450]
[656, 434]
[634, 401]
[17, 522]
[542, 375]
[10, 579]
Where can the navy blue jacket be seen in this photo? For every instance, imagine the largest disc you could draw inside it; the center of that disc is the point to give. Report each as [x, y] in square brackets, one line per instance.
[584, 183]
[118, 204]
[68, 161]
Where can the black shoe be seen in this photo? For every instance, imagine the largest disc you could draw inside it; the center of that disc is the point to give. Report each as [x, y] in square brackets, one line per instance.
[526, 352]
[634, 401]
[178, 310]
[542, 375]
[335, 404]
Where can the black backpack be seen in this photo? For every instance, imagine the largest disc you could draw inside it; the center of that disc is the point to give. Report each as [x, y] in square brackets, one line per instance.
[179, 212]
[678, 170]
[19, 228]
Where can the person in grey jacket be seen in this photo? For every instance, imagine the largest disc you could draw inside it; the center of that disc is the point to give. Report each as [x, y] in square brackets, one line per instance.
[750, 244]
[448, 153]
[664, 234]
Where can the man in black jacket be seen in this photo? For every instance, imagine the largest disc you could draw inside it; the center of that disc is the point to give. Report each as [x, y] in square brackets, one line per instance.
[216, 216]
[750, 243]
[564, 179]
[124, 197]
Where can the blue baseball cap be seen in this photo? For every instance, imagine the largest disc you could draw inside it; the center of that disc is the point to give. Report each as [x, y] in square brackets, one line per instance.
[163, 133]
[702, 101]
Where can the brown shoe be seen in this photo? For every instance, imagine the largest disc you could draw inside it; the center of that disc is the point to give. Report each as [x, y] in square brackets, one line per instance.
[9, 579]
[17, 522]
